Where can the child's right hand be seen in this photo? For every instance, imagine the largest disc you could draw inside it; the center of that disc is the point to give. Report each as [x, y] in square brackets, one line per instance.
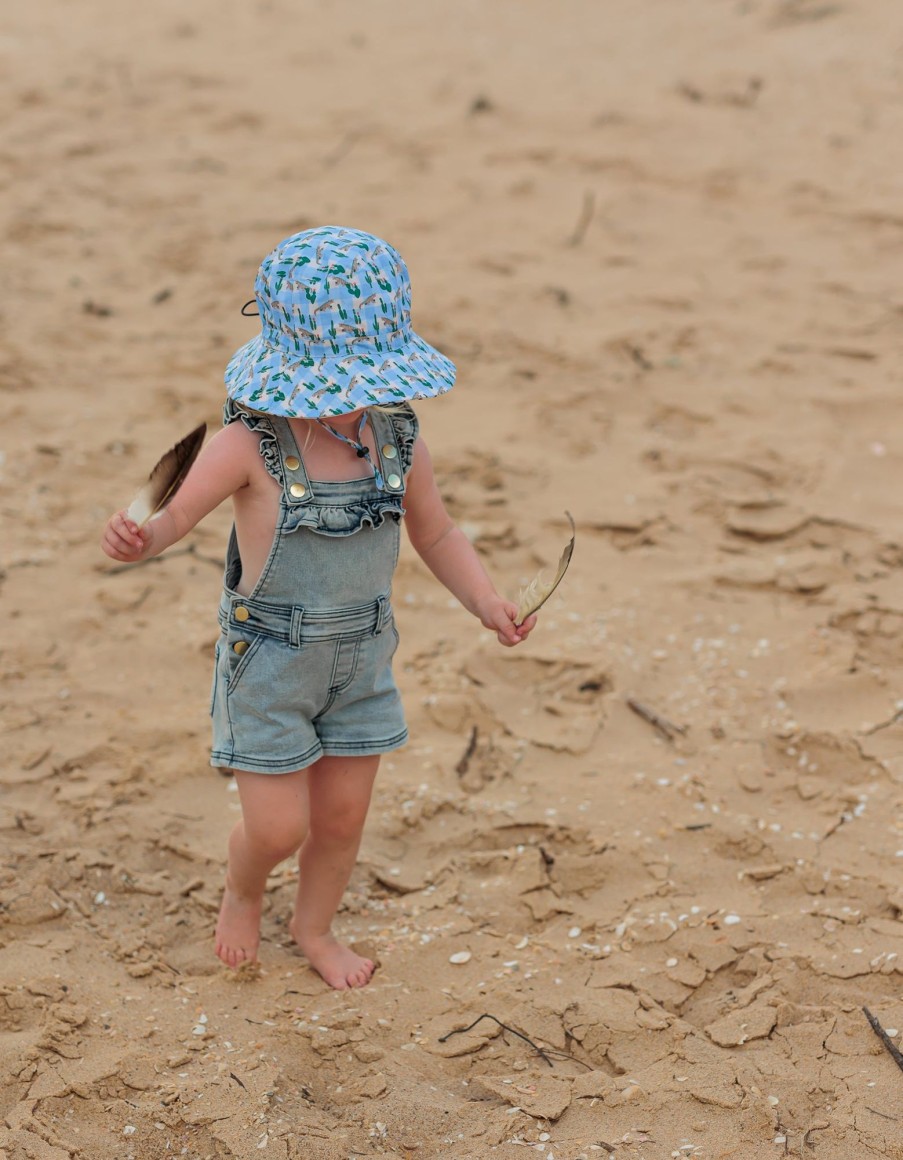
[123, 540]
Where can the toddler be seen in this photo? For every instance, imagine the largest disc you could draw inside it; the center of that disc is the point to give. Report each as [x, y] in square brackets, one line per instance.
[321, 456]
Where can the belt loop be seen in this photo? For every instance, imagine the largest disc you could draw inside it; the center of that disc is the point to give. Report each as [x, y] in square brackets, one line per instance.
[381, 605]
[295, 628]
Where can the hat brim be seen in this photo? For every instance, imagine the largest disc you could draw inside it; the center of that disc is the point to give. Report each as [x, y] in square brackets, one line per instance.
[265, 378]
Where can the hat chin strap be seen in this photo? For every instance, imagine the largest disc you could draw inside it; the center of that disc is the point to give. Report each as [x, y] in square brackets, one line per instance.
[360, 449]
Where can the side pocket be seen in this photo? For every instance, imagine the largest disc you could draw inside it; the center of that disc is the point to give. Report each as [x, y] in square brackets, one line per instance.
[215, 681]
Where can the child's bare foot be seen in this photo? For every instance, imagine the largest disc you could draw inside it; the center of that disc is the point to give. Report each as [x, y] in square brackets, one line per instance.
[238, 929]
[338, 965]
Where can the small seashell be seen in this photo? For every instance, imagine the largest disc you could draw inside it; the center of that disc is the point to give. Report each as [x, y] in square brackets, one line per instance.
[892, 1031]
[523, 942]
[731, 919]
[460, 957]
[129, 1130]
[575, 932]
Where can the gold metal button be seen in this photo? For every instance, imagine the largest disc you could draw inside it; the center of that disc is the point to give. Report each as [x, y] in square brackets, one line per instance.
[297, 490]
[292, 462]
[394, 480]
[240, 646]
[241, 613]
[389, 451]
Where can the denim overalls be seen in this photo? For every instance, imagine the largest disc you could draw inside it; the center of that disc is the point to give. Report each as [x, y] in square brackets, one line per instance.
[303, 666]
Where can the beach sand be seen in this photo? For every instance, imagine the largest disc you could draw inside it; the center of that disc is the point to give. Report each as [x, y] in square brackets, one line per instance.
[662, 242]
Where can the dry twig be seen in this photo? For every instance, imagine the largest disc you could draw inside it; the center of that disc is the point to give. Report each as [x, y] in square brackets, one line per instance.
[892, 1048]
[464, 762]
[586, 216]
[667, 728]
[504, 1027]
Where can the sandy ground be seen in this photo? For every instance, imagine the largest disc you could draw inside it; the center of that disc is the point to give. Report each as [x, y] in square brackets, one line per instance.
[662, 241]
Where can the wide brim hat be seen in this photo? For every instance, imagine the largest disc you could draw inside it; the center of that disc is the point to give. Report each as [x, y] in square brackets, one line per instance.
[336, 335]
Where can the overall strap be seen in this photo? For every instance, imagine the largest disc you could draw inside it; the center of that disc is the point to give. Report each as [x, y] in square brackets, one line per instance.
[295, 481]
[389, 451]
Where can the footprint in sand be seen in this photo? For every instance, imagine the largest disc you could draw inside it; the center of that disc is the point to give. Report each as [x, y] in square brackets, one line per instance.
[553, 703]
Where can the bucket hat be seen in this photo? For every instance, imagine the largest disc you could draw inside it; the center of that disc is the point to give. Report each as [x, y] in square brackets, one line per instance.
[335, 315]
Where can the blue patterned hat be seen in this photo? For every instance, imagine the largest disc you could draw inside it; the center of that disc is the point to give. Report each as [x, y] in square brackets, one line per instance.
[335, 313]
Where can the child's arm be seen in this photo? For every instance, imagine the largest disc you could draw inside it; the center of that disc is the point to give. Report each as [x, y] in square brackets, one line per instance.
[451, 557]
[220, 470]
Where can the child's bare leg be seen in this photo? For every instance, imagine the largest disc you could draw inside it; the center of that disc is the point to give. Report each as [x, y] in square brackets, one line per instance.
[273, 825]
[339, 791]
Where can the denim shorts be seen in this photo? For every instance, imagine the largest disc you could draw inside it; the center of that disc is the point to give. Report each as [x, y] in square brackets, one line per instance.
[292, 685]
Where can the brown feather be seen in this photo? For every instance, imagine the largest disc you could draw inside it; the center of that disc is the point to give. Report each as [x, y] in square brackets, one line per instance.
[167, 477]
[538, 591]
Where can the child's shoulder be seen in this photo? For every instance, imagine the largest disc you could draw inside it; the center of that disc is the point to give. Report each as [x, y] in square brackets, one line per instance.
[237, 442]
[238, 435]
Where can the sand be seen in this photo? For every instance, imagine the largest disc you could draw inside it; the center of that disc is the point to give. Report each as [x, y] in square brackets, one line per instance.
[662, 242]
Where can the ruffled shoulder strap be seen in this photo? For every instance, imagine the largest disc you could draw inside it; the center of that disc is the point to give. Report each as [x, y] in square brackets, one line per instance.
[406, 426]
[262, 424]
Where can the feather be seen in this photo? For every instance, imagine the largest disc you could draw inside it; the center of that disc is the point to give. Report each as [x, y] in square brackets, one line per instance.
[166, 478]
[538, 591]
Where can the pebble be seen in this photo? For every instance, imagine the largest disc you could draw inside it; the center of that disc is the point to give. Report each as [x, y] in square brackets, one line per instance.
[460, 957]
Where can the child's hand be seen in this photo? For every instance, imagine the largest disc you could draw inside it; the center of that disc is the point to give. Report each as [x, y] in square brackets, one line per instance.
[124, 540]
[499, 615]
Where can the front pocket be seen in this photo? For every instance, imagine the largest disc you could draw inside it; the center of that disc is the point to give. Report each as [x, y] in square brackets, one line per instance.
[345, 666]
[237, 663]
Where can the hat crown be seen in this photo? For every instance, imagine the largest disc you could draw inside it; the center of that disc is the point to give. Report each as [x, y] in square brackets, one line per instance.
[335, 335]
[333, 292]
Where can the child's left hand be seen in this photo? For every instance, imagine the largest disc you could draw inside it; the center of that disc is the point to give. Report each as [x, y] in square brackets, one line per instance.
[499, 615]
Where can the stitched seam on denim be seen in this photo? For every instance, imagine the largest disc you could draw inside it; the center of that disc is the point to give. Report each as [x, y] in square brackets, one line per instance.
[259, 630]
[288, 445]
[226, 714]
[277, 620]
[215, 681]
[274, 551]
[331, 693]
[351, 748]
[354, 663]
[286, 764]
